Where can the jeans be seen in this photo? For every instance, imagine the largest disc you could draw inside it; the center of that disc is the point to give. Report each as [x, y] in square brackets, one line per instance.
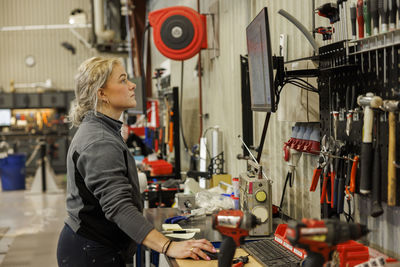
[76, 251]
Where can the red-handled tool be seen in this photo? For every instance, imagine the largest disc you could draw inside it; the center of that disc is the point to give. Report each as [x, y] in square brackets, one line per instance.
[360, 18]
[317, 173]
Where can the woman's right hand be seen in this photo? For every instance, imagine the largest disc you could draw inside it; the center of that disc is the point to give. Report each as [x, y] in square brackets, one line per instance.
[190, 249]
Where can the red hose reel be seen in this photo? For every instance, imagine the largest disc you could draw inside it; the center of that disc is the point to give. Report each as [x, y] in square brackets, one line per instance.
[179, 32]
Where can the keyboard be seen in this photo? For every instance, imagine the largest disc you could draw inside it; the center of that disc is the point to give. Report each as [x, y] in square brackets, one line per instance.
[269, 253]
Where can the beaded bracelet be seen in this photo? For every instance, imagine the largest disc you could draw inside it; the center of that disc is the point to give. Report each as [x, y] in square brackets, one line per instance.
[166, 250]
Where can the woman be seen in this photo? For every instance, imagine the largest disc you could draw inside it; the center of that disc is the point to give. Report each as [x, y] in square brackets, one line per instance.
[104, 205]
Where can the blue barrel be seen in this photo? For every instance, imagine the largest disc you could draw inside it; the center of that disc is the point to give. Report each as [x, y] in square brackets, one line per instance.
[12, 172]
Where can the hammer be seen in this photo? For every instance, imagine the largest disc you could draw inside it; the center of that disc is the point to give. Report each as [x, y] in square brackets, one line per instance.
[391, 106]
[368, 102]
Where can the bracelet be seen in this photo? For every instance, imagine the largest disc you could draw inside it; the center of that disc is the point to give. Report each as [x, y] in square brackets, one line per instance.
[162, 250]
[166, 250]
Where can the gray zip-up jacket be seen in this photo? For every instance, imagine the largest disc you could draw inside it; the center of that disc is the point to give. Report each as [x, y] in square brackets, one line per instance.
[103, 198]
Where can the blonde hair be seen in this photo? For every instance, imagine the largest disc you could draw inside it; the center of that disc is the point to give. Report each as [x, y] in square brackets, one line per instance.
[92, 74]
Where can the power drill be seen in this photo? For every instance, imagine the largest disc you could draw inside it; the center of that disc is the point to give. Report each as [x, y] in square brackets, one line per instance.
[320, 237]
[234, 225]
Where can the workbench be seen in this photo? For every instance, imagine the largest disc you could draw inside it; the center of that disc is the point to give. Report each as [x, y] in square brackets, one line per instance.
[157, 217]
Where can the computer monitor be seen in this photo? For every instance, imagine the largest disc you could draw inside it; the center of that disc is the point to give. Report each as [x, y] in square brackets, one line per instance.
[260, 63]
[5, 117]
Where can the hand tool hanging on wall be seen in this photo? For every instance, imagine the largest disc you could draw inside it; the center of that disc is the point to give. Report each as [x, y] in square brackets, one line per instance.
[344, 18]
[398, 13]
[376, 209]
[353, 19]
[326, 32]
[392, 14]
[341, 28]
[335, 114]
[383, 10]
[368, 102]
[391, 106]
[375, 16]
[350, 101]
[330, 11]
[360, 18]
[367, 16]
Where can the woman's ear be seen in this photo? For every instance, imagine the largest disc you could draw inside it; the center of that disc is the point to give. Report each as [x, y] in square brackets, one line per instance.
[101, 95]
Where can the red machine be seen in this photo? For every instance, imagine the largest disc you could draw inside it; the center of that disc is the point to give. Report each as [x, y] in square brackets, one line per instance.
[234, 225]
[179, 32]
[320, 237]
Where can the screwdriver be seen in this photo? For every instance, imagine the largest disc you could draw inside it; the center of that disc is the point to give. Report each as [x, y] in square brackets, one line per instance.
[392, 15]
[353, 18]
[384, 14]
[360, 19]
[375, 16]
[367, 17]
[398, 12]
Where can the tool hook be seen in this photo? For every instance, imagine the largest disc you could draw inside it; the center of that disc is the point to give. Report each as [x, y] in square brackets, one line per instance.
[397, 165]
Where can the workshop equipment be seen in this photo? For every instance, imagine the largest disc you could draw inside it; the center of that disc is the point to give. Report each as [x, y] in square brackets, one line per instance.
[383, 10]
[392, 14]
[367, 17]
[234, 225]
[376, 209]
[256, 197]
[179, 32]
[368, 102]
[391, 106]
[374, 16]
[350, 102]
[360, 18]
[320, 237]
[326, 32]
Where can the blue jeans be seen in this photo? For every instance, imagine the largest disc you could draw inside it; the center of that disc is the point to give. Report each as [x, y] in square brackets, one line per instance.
[76, 251]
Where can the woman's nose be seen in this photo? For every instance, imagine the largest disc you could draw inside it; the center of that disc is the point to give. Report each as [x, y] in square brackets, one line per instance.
[132, 86]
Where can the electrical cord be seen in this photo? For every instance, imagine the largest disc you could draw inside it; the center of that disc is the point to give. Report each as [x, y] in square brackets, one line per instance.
[180, 112]
[294, 81]
[289, 178]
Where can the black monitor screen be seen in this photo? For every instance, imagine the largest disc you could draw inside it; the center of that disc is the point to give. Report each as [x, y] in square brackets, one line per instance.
[5, 117]
[260, 63]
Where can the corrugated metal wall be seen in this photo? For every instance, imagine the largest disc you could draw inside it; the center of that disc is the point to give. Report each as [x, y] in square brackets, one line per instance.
[52, 60]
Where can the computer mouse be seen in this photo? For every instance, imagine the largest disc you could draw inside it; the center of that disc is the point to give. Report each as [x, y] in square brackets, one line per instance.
[211, 255]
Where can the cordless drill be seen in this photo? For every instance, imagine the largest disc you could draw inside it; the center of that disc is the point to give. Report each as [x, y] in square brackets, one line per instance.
[320, 237]
[234, 225]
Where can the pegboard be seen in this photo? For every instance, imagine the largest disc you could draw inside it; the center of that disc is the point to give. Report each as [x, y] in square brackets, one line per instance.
[365, 71]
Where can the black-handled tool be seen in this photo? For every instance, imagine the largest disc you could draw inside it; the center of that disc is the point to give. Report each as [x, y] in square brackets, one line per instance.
[375, 16]
[368, 102]
[392, 14]
[377, 209]
[383, 10]
[353, 18]
[341, 188]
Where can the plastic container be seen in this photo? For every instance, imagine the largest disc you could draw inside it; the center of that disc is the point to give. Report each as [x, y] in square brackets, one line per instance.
[12, 172]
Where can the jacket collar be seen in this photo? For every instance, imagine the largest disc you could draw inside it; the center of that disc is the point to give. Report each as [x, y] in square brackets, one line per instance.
[114, 124]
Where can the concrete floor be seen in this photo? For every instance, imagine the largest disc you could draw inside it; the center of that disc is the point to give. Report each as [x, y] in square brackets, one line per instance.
[34, 221]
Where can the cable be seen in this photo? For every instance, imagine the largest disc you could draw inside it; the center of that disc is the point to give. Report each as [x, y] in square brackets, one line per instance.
[289, 178]
[180, 112]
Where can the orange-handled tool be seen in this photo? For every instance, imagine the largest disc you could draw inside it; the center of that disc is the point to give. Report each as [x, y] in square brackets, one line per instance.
[353, 174]
[315, 179]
